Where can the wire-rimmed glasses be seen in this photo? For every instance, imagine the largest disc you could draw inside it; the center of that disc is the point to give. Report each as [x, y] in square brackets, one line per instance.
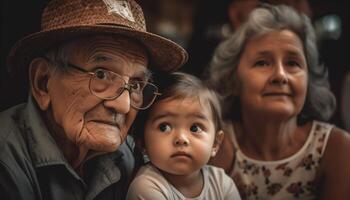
[108, 85]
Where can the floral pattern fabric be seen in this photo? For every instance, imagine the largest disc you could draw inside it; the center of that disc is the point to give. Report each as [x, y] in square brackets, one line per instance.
[290, 178]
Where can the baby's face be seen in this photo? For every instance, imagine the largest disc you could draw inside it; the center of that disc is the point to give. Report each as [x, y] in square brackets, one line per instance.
[179, 135]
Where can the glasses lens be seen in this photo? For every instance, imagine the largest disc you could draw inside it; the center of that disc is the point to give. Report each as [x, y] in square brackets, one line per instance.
[106, 85]
[144, 96]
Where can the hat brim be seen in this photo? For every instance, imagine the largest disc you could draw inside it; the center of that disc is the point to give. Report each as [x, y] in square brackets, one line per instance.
[165, 55]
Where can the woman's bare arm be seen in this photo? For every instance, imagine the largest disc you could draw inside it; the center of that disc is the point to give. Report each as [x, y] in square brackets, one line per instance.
[335, 167]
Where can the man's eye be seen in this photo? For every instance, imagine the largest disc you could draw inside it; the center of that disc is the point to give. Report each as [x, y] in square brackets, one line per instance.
[136, 86]
[101, 74]
[164, 127]
[195, 128]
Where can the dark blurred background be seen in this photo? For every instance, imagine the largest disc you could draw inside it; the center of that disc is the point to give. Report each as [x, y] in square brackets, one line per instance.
[198, 26]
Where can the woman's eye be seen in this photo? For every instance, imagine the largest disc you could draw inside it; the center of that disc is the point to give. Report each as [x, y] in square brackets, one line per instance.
[163, 127]
[195, 128]
[293, 63]
[261, 63]
[101, 74]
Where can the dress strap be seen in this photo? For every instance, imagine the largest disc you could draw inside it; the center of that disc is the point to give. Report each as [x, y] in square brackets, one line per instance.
[322, 132]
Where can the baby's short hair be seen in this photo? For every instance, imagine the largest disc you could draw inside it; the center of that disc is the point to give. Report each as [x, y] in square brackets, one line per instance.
[180, 85]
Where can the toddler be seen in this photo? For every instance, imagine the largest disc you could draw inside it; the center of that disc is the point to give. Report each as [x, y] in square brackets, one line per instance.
[179, 133]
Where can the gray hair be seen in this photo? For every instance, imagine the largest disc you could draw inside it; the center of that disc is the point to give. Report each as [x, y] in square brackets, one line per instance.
[58, 55]
[320, 102]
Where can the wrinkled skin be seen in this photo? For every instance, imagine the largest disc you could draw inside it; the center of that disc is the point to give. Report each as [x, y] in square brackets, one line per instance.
[79, 121]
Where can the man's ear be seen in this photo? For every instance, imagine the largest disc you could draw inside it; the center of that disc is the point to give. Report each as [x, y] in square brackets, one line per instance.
[217, 142]
[39, 75]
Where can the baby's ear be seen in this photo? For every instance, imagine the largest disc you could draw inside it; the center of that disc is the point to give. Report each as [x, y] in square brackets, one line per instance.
[217, 142]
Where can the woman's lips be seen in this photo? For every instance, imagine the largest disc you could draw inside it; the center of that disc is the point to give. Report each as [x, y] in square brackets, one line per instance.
[277, 94]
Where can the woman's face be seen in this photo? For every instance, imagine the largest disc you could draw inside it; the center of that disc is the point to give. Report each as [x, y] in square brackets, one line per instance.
[272, 75]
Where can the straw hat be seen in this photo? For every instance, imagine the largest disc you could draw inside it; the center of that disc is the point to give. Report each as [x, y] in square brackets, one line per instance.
[65, 19]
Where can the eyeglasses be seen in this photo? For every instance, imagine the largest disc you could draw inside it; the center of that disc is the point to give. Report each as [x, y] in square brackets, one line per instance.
[108, 85]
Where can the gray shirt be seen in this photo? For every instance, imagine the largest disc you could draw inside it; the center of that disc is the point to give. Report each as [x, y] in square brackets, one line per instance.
[33, 167]
[150, 184]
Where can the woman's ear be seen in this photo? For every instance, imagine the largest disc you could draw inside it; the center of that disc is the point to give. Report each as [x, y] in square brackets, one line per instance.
[39, 75]
[217, 142]
[236, 86]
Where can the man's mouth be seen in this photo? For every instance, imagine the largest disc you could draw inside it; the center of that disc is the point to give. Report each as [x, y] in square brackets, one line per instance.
[110, 123]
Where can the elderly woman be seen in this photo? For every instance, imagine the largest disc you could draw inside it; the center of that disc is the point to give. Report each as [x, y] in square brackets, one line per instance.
[276, 97]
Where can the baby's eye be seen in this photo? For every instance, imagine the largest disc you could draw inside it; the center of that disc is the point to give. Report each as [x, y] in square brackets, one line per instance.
[164, 127]
[195, 128]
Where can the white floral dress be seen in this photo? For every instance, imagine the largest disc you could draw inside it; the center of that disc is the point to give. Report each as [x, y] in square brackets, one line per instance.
[290, 178]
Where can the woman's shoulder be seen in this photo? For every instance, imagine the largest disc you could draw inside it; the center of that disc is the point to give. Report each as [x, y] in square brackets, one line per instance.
[338, 143]
[334, 169]
[337, 152]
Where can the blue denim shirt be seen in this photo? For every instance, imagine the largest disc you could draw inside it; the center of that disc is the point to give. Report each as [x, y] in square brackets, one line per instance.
[33, 167]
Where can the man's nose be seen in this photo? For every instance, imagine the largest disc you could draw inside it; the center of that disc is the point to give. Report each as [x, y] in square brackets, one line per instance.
[120, 104]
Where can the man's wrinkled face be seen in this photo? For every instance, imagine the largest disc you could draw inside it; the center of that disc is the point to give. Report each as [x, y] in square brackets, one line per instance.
[89, 121]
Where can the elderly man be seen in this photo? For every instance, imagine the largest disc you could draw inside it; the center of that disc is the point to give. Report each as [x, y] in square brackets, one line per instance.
[88, 75]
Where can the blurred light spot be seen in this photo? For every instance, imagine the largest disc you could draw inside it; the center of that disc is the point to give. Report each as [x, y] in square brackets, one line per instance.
[328, 27]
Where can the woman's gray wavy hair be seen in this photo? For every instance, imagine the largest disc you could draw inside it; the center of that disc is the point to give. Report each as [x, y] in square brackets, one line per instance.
[320, 102]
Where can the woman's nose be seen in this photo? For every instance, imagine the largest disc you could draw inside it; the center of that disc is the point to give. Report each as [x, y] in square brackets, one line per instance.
[279, 75]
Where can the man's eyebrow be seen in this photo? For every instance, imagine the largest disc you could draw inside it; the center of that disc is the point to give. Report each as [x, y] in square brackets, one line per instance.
[98, 58]
[148, 74]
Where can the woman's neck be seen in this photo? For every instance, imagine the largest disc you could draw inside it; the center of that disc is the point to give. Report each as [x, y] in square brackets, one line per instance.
[189, 185]
[269, 138]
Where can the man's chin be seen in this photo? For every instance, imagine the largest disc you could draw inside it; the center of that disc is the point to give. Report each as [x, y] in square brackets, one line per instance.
[101, 142]
[103, 147]
[101, 137]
